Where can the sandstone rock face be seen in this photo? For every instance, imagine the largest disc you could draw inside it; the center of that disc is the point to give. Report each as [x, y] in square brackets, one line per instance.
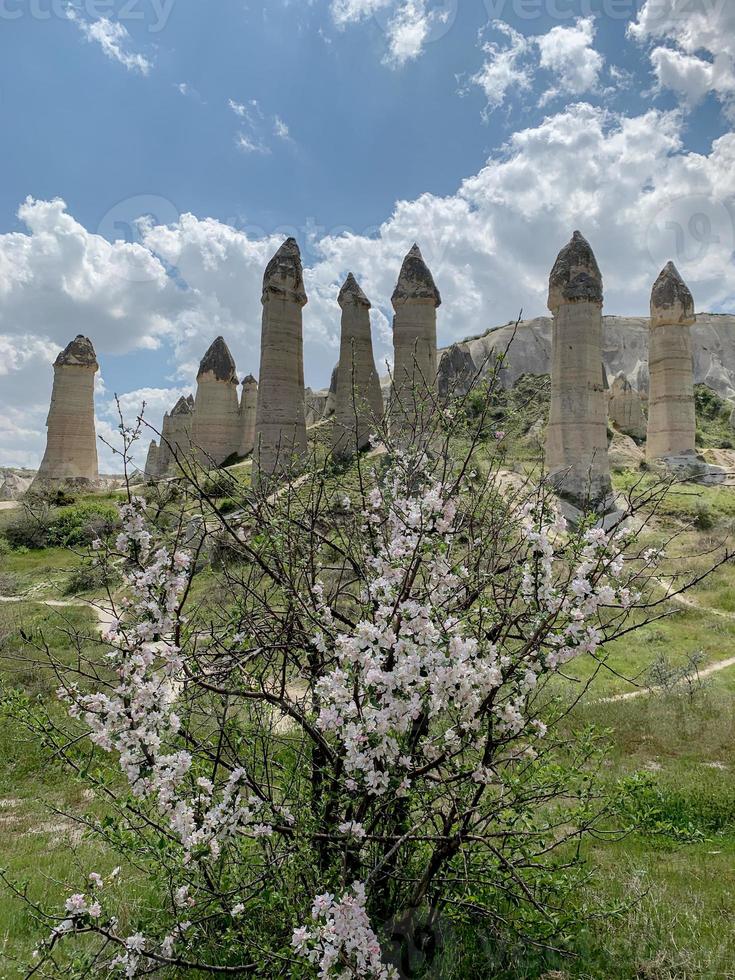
[14, 485]
[71, 443]
[624, 350]
[315, 403]
[456, 372]
[175, 435]
[151, 462]
[625, 409]
[280, 427]
[215, 431]
[576, 436]
[415, 302]
[248, 409]
[624, 454]
[330, 405]
[671, 411]
[359, 398]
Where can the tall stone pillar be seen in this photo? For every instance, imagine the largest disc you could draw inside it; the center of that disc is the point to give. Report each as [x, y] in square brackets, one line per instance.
[151, 462]
[215, 431]
[71, 442]
[359, 398]
[280, 427]
[625, 409]
[576, 440]
[414, 391]
[176, 434]
[248, 410]
[672, 422]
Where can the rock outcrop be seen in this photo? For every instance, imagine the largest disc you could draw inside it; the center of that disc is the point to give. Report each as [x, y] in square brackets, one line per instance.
[13, 485]
[672, 425]
[71, 442]
[625, 409]
[176, 435]
[359, 400]
[576, 436]
[415, 302]
[624, 350]
[248, 410]
[151, 461]
[215, 431]
[456, 372]
[280, 428]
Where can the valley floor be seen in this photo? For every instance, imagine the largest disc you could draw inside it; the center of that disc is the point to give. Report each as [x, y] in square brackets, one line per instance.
[670, 761]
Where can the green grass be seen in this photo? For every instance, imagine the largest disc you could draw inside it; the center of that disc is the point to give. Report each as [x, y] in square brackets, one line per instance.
[669, 888]
[42, 573]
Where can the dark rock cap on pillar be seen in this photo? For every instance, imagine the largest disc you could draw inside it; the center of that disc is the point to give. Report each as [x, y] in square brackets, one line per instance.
[78, 352]
[284, 275]
[575, 277]
[352, 293]
[671, 300]
[415, 281]
[219, 361]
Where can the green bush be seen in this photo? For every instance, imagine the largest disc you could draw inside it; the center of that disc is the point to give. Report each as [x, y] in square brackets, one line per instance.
[218, 485]
[90, 578]
[28, 531]
[648, 805]
[68, 527]
[79, 525]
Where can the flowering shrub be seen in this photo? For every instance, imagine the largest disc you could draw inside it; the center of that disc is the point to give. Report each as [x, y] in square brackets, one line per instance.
[365, 705]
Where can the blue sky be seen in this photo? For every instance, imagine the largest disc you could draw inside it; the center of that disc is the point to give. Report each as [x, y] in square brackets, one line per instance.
[487, 129]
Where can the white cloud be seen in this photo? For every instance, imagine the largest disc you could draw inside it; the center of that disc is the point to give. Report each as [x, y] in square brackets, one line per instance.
[503, 70]
[257, 129]
[700, 54]
[408, 30]
[246, 144]
[113, 38]
[568, 53]
[238, 108]
[280, 129]
[689, 76]
[626, 182]
[351, 11]
[408, 24]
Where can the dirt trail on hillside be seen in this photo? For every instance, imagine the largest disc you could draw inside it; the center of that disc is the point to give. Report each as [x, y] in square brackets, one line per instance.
[103, 612]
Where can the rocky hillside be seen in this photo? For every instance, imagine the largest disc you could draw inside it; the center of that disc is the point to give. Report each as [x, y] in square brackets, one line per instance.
[625, 350]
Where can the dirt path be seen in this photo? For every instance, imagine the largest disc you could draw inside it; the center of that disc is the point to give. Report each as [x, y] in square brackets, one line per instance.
[689, 603]
[8, 504]
[645, 691]
[103, 612]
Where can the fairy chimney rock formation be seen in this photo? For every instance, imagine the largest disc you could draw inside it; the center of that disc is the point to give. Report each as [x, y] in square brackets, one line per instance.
[215, 431]
[151, 462]
[248, 409]
[359, 401]
[671, 413]
[576, 439]
[280, 427]
[625, 408]
[71, 442]
[175, 435]
[415, 301]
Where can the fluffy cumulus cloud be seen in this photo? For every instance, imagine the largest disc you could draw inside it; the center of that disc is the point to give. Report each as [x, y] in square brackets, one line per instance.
[569, 53]
[626, 182]
[564, 61]
[408, 24]
[505, 68]
[697, 55]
